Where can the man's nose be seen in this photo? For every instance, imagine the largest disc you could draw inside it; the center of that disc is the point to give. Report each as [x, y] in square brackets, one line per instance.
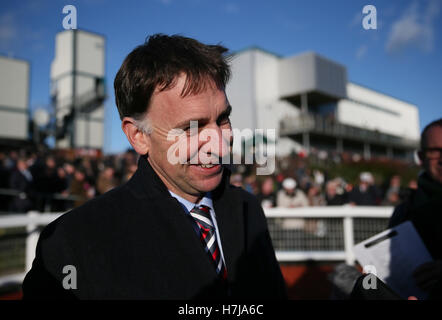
[216, 141]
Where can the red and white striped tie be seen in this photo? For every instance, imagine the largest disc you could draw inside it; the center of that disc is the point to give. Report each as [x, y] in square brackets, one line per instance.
[201, 215]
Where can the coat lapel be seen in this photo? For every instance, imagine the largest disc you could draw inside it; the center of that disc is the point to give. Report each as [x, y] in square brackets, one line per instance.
[183, 234]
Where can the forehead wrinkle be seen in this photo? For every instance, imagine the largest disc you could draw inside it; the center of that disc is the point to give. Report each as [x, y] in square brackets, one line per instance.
[204, 119]
[172, 103]
[203, 113]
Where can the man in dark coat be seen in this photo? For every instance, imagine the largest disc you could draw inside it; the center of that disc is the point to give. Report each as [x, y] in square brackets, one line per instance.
[365, 193]
[424, 208]
[21, 180]
[177, 229]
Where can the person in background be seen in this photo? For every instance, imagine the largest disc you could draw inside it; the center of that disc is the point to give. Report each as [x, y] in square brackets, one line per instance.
[129, 172]
[318, 178]
[61, 188]
[424, 208]
[69, 169]
[305, 182]
[412, 184]
[315, 199]
[21, 180]
[363, 194]
[106, 180]
[332, 197]
[315, 196]
[250, 184]
[80, 188]
[279, 179]
[289, 196]
[392, 196]
[46, 182]
[267, 196]
[5, 174]
[236, 180]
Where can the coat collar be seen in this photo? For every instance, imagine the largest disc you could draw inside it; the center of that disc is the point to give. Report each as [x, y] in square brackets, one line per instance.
[145, 182]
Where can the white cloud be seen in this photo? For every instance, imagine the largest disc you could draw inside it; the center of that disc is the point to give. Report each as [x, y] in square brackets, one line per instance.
[8, 29]
[231, 8]
[414, 28]
[357, 20]
[361, 51]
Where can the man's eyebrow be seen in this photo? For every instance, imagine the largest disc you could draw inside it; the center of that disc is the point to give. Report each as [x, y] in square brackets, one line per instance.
[186, 123]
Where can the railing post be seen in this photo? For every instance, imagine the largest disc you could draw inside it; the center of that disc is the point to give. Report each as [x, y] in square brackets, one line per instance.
[348, 240]
[31, 239]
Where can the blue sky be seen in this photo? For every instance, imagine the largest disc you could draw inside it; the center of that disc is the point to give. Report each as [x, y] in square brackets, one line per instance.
[402, 57]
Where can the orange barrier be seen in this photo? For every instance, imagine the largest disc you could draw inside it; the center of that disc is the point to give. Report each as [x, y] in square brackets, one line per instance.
[307, 281]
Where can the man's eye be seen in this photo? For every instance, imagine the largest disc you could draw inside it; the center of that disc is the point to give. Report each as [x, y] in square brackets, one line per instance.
[191, 130]
[224, 120]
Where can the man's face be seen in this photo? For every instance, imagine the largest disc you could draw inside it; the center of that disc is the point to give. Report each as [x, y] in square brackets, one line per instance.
[21, 165]
[170, 115]
[50, 162]
[331, 189]
[290, 191]
[431, 163]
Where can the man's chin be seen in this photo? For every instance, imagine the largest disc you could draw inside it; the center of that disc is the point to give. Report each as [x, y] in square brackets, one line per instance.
[208, 184]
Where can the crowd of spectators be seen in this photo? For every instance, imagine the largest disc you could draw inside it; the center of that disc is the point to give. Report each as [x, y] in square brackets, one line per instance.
[316, 189]
[55, 182]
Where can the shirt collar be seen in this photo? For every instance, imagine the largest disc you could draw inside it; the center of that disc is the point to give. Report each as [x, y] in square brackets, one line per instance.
[206, 200]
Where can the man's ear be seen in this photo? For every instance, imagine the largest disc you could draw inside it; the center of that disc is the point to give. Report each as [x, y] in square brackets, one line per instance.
[138, 139]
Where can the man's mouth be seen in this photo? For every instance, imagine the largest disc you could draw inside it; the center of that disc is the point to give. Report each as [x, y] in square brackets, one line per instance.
[210, 164]
[211, 167]
[207, 165]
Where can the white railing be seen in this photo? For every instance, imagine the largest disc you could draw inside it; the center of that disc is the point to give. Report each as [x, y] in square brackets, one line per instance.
[336, 224]
[32, 220]
[342, 216]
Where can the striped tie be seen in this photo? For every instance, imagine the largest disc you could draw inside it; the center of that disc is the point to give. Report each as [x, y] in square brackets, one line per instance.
[201, 215]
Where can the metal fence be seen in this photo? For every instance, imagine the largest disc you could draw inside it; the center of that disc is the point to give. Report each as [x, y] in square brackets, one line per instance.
[302, 234]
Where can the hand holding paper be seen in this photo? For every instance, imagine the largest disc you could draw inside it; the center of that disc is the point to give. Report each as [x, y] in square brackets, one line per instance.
[396, 254]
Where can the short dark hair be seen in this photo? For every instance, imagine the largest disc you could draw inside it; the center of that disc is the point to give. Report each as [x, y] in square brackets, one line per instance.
[158, 62]
[435, 123]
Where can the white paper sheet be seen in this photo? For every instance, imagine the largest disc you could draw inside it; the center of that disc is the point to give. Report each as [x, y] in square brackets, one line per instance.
[395, 253]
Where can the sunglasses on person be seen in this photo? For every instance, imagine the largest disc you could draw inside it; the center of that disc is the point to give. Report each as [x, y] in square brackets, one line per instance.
[432, 153]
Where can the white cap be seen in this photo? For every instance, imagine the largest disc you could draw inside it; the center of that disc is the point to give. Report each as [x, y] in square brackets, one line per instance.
[366, 177]
[289, 183]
